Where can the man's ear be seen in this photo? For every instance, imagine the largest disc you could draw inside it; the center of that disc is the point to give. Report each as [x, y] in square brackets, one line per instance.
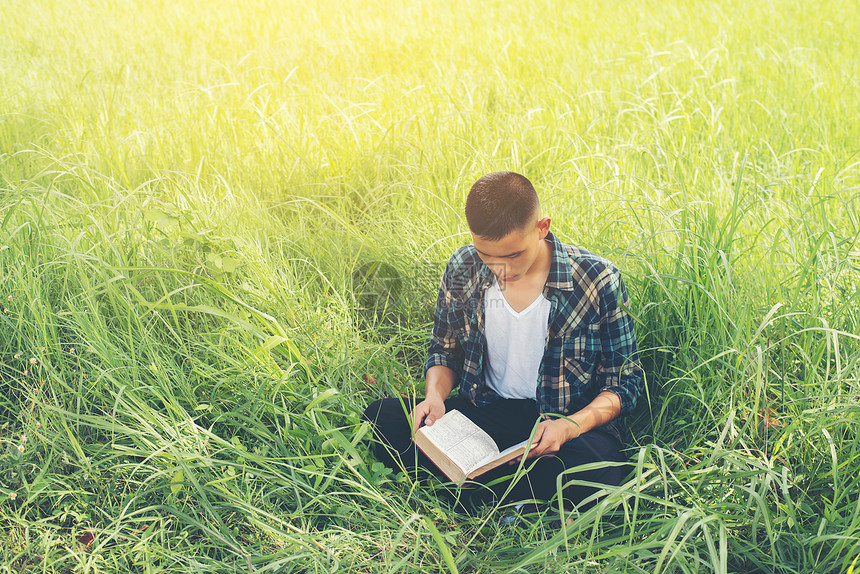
[543, 226]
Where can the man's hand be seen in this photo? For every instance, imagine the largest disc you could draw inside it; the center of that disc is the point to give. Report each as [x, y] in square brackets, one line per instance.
[550, 435]
[440, 383]
[427, 412]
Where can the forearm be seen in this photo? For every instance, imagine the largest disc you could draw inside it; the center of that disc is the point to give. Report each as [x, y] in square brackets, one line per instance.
[605, 407]
[552, 433]
[440, 381]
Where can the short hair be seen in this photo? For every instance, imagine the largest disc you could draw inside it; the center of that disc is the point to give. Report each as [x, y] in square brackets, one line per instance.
[500, 203]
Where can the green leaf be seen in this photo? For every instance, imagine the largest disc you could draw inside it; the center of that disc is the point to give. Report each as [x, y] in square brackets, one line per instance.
[176, 482]
[229, 264]
[326, 394]
[161, 218]
[447, 557]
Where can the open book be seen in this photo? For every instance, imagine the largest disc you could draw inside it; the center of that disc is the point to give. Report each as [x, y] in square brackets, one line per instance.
[460, 448]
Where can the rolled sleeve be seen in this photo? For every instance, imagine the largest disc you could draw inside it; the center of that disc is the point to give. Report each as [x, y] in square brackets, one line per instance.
[620, 371]
[445, 348]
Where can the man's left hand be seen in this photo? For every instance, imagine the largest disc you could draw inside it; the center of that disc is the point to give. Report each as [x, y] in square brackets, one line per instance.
[550, 435]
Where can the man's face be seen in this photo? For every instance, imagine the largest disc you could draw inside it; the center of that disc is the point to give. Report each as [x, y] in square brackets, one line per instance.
[514, 255]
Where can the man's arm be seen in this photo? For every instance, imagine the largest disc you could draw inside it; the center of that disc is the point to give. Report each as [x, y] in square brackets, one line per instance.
[619, 374]
[445, 355]
[553, 433]
[440, 381]
[619, 370]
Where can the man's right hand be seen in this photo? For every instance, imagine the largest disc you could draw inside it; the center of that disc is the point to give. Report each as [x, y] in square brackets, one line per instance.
[440, 383]
[427, 412]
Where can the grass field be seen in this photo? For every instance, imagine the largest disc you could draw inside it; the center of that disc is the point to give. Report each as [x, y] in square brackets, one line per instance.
[222, 228]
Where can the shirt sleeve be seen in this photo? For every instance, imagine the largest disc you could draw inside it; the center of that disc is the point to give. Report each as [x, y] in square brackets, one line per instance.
[619, 370]
[445, 348]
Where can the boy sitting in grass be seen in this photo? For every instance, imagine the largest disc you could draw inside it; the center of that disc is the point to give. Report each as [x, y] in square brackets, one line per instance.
[532, 331]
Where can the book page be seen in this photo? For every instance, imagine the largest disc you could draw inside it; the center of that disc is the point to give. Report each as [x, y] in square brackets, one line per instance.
[513, 448]
[505, 456]
[462, 440]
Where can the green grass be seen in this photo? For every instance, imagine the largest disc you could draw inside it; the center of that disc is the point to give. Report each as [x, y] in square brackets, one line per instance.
[216, 220]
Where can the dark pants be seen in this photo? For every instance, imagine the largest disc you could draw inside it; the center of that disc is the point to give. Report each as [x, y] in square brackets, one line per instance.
[508, 422]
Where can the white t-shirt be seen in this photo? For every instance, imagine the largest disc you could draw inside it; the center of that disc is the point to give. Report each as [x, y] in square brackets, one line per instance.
[515, 344]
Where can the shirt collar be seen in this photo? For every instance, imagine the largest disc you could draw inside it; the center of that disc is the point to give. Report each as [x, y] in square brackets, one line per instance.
[560, 271]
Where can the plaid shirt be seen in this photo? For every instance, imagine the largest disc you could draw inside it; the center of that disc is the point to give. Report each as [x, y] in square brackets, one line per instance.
[590, 345]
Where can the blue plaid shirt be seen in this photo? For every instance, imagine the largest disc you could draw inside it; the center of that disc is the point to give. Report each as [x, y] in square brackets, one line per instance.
[590, 345]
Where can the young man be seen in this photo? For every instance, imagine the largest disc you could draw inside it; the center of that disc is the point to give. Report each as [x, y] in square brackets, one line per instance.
[532, 331]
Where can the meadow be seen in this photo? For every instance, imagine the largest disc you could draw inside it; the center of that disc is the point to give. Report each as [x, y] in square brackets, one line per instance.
[222, 227]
